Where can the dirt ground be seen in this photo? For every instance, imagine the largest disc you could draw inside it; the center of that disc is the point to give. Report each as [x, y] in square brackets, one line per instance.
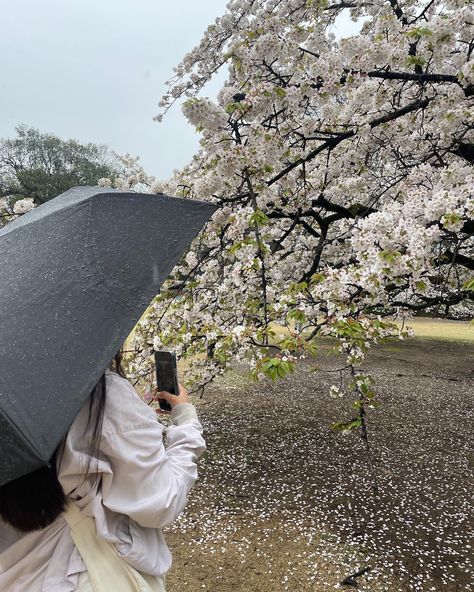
[285, 503]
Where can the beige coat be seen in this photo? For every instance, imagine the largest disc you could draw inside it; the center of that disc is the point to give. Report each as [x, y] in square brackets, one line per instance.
[143, 488]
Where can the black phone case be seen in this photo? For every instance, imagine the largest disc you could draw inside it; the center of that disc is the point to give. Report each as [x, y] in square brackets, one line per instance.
[164, 405]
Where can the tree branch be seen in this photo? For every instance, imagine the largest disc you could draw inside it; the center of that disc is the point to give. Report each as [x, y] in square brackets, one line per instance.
[333, 142]
[450, 258]
[466, 151]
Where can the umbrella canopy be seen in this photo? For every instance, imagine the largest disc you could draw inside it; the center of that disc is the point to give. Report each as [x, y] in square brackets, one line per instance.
[76, 274]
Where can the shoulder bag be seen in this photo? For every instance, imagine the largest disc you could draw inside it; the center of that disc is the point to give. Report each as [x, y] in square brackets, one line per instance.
[107, 570]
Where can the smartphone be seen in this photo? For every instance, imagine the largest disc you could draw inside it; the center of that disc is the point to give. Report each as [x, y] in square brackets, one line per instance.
[166, 376]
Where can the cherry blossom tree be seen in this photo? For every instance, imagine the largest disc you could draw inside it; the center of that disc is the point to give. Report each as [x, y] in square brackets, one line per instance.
[344, 172]
[343, 168]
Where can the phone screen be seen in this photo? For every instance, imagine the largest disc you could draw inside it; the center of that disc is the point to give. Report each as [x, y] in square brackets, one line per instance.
[165, 371]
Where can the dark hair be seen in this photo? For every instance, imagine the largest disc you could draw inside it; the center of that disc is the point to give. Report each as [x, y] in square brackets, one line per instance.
[35, 500]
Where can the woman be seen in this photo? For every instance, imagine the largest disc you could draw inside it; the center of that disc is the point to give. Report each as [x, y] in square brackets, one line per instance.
[114, 467]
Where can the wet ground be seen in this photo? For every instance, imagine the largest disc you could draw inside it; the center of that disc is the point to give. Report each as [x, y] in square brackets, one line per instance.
[285, 503]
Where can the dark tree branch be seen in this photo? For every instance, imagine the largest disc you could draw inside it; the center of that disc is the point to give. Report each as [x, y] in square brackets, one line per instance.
[419, 104]
[333, 142]
[451, 299]
[466, 151]
[398, 12]
[322, 202]
[468, 227]
[449, 258]
[276, 245]
[422, 77]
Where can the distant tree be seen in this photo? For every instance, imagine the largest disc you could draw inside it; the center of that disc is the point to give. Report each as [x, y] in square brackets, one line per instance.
[40, 166]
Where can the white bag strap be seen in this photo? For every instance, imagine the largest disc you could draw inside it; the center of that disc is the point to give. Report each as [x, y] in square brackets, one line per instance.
[108, 572]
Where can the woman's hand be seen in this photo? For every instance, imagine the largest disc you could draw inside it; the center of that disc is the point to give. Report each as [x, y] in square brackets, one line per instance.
[173, 400]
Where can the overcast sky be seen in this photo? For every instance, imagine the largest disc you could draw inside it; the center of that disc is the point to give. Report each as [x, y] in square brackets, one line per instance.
[95, 70]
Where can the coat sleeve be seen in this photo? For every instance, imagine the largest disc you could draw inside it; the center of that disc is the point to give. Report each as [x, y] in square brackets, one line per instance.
[148, 482]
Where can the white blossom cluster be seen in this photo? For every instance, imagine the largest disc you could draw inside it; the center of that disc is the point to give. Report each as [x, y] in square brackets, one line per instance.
[10, 211]
[24, 205]
[132, 176]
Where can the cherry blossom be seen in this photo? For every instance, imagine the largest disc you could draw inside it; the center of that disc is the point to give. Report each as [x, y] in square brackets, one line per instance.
[343, 168]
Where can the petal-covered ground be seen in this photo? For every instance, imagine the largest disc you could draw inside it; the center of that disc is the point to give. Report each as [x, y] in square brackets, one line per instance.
[285, 503]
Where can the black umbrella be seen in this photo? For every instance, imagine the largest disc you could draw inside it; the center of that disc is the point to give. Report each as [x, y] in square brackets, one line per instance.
[76, 274]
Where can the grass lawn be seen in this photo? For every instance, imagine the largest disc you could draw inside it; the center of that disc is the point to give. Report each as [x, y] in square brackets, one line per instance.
[442, 329]
[426, 328]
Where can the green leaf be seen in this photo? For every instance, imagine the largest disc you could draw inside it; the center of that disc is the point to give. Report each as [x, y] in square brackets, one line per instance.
[297, 287]
[289, 343]
[389, 256]
[273, 372]
[469, 285]
[420, 32]
[421, 286]
[231, 107]
[253, 34]
[450, 219]
[311, 348]
[415, 61]
[347, 426]
[267, 365]
[316, 278]
[296, 315]
[258, 218]
[287, 367]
